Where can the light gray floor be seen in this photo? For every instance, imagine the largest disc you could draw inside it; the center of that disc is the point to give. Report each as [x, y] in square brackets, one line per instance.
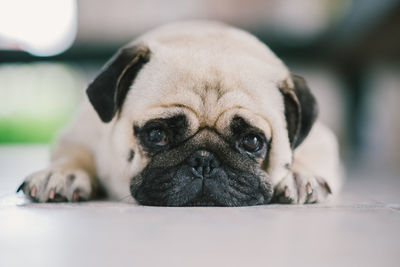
[362, 228]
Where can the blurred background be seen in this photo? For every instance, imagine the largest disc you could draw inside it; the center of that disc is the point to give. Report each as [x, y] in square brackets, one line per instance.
[348, 51]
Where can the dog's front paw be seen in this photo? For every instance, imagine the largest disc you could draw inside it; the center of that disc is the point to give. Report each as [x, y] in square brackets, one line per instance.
[298, 188]
[55, 185]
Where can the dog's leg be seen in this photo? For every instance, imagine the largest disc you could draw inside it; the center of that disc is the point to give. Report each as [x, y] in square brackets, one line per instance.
[316, 171]
[71, 174]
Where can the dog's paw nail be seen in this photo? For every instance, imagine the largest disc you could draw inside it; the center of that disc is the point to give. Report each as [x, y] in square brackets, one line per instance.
[327, 188]
[309, 189]
[21, 187]
[286, 192]
[33, 191]
[75, 196]
[52, 194]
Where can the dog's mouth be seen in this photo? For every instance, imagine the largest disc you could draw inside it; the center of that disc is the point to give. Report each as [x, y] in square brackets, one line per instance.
[201, 181]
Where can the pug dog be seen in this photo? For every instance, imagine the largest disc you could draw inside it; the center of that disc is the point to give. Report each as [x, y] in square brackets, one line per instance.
[194, 114]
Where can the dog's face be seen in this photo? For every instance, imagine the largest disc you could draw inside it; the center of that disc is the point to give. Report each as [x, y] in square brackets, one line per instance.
[201, 125]
[202, 166]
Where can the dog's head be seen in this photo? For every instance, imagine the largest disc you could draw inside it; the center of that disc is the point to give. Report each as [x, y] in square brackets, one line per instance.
[206, 116]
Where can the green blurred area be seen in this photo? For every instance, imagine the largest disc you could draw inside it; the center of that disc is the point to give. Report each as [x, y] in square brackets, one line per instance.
[37, 100]
[30, 130]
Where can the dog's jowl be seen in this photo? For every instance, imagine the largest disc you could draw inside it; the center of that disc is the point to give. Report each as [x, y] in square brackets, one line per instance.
[194, 114]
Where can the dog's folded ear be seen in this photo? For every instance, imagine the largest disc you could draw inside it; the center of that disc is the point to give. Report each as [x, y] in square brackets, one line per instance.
[108, 90]
[301, 110]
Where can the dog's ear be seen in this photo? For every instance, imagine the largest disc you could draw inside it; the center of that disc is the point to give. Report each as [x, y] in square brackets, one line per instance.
[108, 90]
[301, 110]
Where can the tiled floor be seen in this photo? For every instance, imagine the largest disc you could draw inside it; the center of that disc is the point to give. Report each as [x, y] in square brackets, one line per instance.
[362, 228]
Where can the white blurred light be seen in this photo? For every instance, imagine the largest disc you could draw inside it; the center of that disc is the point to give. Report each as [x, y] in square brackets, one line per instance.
[41, 27]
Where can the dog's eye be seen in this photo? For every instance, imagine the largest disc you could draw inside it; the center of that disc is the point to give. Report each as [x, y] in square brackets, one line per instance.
[157, 136]
[252, 143]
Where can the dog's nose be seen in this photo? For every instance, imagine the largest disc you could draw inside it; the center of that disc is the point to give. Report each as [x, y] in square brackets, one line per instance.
[203, 162]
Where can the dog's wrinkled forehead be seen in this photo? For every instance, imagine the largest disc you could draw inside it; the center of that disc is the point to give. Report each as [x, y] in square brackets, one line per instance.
[205, 102]
[216, 69]
[208, 87]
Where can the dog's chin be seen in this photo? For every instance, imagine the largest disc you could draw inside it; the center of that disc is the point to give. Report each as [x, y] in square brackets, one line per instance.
[182, 186]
